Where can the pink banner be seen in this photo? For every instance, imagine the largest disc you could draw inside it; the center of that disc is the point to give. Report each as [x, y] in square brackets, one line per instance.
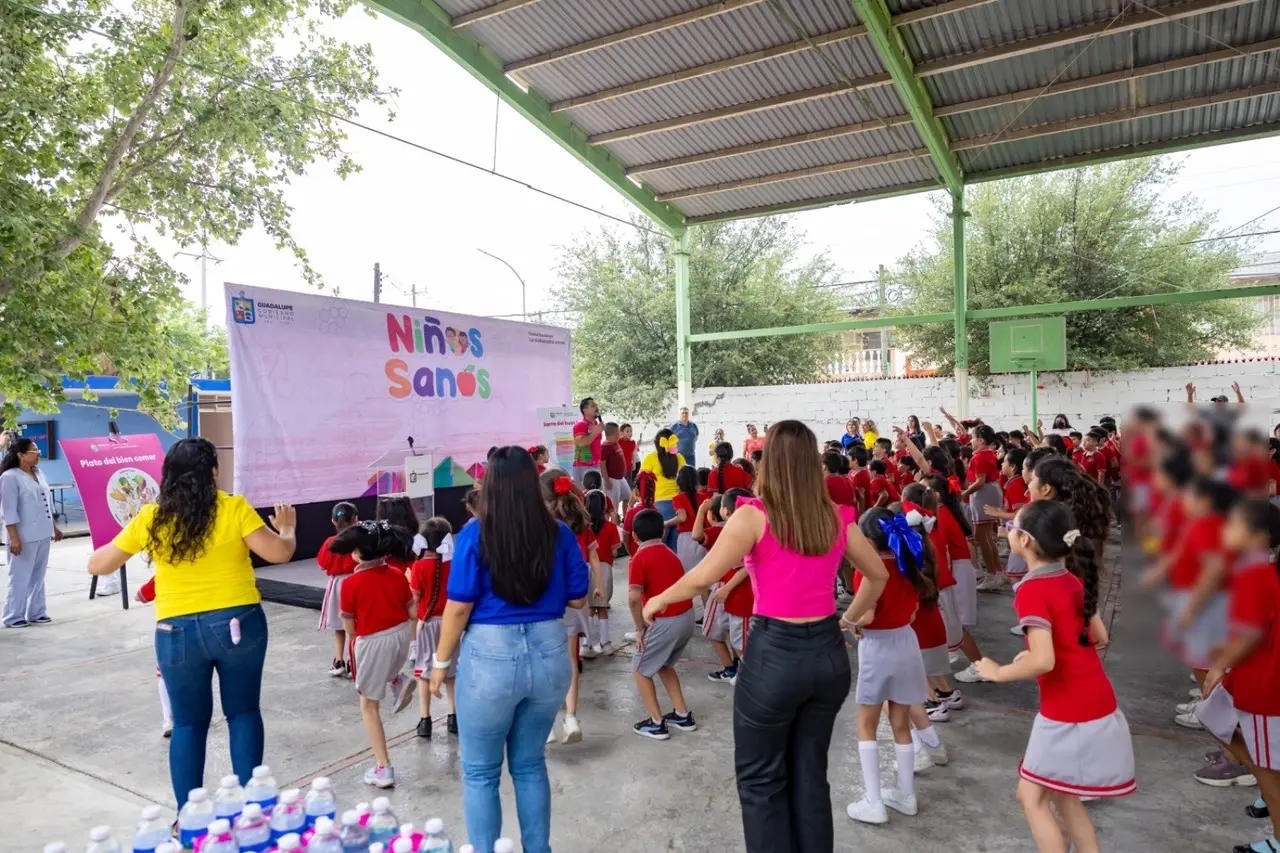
[322, 388]
[116, 477]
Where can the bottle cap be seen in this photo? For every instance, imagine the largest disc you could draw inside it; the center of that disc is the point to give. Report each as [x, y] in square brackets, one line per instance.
[320, 783]
[290, 796]
[197, 794]
[221, 826]
[406, 829]
[290, 842]
[402, 845]
[55, 847]
[168, 847]
[504, 845]
[435, 826]
[376, 847]
[100, 833]
[382, 804]
[324, 826]
[362, 808]
[350, 817]
[253, 811]
[262, 771]
[151, 813]
[230, 781]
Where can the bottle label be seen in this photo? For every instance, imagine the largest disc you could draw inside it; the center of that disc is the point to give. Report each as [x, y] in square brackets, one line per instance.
[188, 836]
[267, 805]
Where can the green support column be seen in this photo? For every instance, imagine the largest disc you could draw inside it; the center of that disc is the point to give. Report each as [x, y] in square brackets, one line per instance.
[684, 365]
[961, 287]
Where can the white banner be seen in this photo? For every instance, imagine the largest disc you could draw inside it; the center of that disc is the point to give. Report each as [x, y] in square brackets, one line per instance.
[322, 387]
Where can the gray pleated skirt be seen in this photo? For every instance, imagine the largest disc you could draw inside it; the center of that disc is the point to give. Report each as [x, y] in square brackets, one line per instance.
[890, 668]
[1093, 759]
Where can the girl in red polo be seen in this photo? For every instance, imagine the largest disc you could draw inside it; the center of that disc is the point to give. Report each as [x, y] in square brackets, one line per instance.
[605, 533]
[428, 581]
[1080, 744]
[981, 491]
[686, 505]
[646, 485]
[337, 567]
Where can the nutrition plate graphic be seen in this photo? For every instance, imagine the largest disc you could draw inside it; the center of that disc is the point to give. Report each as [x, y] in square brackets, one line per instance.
[128, 491]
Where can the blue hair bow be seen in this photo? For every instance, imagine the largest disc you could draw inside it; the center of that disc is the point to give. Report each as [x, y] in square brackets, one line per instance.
[903, 539]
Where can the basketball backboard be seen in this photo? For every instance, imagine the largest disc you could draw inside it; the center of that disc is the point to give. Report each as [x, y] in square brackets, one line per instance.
[1034, 343]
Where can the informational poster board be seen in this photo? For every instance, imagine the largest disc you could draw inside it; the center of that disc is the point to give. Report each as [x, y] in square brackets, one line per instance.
[556, 432]
[419, 476]
[116, 477]
[320, 381]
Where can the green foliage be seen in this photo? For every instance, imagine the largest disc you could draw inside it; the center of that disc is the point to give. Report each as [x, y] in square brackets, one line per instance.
[184, 118]
[620, 286]
[1086, 234]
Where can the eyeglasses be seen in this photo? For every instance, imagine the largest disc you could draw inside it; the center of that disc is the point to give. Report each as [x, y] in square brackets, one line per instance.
[1012, 525]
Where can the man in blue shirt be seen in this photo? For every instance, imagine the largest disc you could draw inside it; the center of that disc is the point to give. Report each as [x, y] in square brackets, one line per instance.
[687, 435]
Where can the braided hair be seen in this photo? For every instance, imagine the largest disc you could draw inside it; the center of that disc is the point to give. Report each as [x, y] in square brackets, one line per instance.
[1090, 503]
[434, 530]
[724, 458]
[1052, 527]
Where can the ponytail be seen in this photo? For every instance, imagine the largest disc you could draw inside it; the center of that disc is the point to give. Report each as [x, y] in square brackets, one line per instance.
[1082, 561]
[595, 501]
[950, 501]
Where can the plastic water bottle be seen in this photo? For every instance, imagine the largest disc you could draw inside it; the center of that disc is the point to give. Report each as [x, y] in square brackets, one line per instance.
[415, 837]
[320, 801]
[354, 835]
[261, 789]
[195, 817]
[383, 825]
[290, 843]
[325, 839]
[435, 841]
[228, 800]
[153, 830]
[100, 841]
[253, 830]
[376, 847]
[364, 810]
[288, 818]
[402, 844]
[220, 839]
[504, 845]
[55, 847]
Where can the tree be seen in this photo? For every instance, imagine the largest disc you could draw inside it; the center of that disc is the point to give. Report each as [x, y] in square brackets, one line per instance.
[1085, 234]
[183, 118]
[620, 286]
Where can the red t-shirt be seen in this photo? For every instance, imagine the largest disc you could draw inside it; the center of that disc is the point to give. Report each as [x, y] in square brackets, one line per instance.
[376, 598]
[430, 575]
[953, 534]
[1136, 459]
[983, 464]
[1254, 683]
[904, 477]
[1251, 475]
[334, 564]
[681, 502]
[710, 533]
[1094, 465]
[898, 601]
[840, 490]
[1077, 689]
[607, 542]
[1016, 495]
[587, 543]
[653, 569]
[741, 602]
[1111, 456]
[734, 478]
[1172, 519]
[861, 480]
[1200, 539]
[628, 448]
[627, 523]
[705, 495]
[880, 486]
[931, 631]
[612, 460]
[589, 456]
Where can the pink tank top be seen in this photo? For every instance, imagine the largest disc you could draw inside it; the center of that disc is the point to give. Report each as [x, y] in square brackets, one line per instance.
[788, 585]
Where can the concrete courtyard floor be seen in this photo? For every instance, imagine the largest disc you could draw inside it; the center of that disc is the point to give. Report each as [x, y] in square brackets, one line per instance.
[80, 744]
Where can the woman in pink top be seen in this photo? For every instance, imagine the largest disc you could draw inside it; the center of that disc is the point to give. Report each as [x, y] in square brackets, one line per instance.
[795, 672]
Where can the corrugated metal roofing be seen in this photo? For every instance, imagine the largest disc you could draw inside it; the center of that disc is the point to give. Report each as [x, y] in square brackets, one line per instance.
[708, 63]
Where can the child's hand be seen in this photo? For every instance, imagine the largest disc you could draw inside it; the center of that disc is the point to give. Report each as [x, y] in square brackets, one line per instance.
[652, 608]
[705, 508]
[138, 597]
[437, 682]
[722, 594]
[988, 668]
[1212, 679]
[994, 511]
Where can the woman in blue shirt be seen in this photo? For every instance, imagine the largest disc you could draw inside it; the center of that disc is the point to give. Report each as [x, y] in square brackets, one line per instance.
[515, 570]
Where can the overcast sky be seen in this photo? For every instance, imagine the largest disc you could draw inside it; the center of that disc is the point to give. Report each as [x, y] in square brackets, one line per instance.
[424, 218]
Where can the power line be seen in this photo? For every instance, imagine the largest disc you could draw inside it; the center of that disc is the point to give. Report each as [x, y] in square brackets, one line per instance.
[335, 116]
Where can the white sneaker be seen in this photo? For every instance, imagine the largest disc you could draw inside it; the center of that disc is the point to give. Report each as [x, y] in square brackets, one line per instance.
[589, 652]
[955, 701]
[1189, 721]
[1195, 693]
[864, 811]
[166, 729]
[630, 636]
[954, 657]
[941, 713]
[572, 730]
[1017, 631]
[896, 801]
[937, 754]
[969, 675]
[923, 765]
[106, 589]
[1186, 707]
[607, 650]
[991, 583]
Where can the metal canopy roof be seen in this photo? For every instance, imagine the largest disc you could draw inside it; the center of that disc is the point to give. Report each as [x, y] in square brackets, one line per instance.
[701, 111]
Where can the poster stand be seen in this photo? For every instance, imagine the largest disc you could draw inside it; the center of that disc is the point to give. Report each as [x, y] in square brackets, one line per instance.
[119, 442]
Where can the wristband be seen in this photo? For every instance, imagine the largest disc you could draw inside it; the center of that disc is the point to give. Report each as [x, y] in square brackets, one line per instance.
[436, 663]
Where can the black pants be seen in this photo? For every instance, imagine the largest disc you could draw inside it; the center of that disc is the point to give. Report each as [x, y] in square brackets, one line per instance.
[791, 684]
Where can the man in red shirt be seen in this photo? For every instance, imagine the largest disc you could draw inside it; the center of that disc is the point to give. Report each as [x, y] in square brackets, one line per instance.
[839, 486]
[614, 467]
[586, 440]
[653, 569]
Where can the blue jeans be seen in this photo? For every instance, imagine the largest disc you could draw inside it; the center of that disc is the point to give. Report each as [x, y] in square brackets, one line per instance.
[511, 681]
[669, 534]
[189, 649]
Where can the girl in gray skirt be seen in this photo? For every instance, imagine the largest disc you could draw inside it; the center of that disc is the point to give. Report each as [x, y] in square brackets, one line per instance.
[1080, 744]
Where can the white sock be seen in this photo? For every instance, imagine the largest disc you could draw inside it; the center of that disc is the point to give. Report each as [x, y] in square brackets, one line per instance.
[869, 756]
[906, 768]
[928, 735]
[915, 739]
[604, 630]
[164, 700]
[593, 630]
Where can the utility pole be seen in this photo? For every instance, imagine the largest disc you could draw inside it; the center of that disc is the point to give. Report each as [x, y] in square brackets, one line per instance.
[204, 258]
[377, 282]
[886, 369]
[413, 294]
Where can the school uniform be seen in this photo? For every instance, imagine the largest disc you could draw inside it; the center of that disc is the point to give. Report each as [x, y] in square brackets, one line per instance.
[689, 551]
[965, 596]
[337, 567]
[1016, 496]
[377, 598]
[429, 581]
[1080, 743]
[931, 635]
[890, 668]
[653, 569]
[1249, 695]
[741, 606]
[715, 621]
[984, 463]
[577, 620]
[1200, 540]
[607, 542]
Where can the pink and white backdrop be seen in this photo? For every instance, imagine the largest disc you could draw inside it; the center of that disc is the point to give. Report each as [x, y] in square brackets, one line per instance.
[322, 387]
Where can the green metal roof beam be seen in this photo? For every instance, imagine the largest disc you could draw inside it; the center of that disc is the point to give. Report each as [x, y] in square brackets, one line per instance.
[819, 328]
[1177, 298]
[433, 22]
[893, 54]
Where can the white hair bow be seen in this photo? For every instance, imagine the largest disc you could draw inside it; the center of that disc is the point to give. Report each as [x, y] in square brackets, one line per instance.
[1070, 537]
[915, 518]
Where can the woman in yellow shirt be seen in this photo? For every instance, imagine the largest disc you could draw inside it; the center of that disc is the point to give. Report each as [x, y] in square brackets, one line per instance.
[664, 463]
[208, 611]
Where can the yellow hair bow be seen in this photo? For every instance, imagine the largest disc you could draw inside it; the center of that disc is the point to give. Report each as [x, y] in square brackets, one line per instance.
[669, 443]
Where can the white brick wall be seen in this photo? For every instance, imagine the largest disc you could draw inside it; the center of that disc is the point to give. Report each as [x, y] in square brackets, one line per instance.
[1082, 396]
